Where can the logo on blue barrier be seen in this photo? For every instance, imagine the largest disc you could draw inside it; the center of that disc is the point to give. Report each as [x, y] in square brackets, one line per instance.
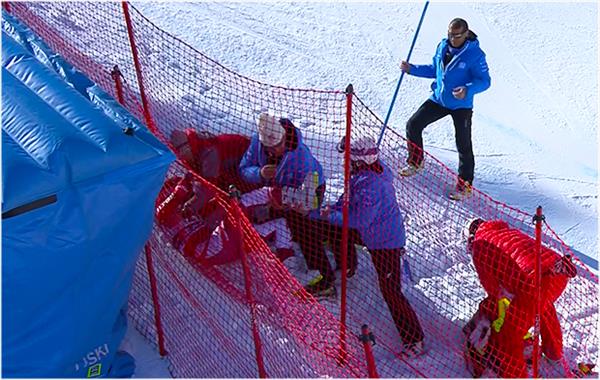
[92, 359]
[95, 370]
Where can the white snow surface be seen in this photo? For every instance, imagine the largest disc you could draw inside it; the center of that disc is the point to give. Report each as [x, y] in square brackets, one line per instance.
[534, 130]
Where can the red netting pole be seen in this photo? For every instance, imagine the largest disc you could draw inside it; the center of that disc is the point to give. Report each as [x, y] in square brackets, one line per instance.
[346, 201]
[6, 6]
[262, 373]
[138, 69]
[116, 76]
[538, 218]
[367, 340]
[154, 290]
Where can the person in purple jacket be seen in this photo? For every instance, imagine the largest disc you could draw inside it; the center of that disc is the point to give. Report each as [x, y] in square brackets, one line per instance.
[375, 218]
[278, 158]
[460, 71]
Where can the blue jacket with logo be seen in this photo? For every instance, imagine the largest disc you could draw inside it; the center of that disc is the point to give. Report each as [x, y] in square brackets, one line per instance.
[467, 68]
[373, 210]
[296, 163]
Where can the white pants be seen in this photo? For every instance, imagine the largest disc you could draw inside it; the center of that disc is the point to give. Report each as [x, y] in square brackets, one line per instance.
[283, 236]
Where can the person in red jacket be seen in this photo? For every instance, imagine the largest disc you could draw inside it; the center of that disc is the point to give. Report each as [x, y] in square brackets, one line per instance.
[191, 215]
[214, 157]
[505, 260]
[200, 228]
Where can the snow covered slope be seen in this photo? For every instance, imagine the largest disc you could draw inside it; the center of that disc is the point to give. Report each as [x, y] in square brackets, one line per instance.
[534, 130]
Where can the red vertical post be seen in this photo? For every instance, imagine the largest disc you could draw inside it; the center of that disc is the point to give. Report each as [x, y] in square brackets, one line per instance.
[367, 340]
[346, 200]
[138, 69]
[117, 76]
[538, 218]
[154, 290]
[262, 373]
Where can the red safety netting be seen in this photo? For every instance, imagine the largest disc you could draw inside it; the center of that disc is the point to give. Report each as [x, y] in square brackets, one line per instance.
[230, 276]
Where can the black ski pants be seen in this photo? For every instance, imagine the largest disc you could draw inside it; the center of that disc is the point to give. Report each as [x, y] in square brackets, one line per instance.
[388, 266]
[333, 234]
[430, 112]
[309, 234]
[387, 263]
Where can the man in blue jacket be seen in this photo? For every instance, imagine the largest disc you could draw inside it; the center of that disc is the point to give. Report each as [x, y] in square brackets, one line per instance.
[278, 158]
[460, 71]
[374, 215]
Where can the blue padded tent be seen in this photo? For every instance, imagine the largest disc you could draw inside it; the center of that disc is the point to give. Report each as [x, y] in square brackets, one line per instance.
[79, 179]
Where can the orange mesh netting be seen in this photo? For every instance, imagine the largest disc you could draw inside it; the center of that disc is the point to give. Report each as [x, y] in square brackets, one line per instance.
[230, 273]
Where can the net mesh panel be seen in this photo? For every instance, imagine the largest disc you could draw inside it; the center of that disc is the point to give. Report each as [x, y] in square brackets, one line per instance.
[207, 319]
[206, 314]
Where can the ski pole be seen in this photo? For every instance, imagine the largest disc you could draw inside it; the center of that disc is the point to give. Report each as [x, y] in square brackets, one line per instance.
[387, 118]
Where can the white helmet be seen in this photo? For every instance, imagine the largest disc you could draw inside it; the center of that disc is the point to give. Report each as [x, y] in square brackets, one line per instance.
[270, 130]
[364, 149]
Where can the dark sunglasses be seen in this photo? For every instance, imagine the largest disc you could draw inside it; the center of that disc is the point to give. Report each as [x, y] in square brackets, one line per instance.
[457, 35]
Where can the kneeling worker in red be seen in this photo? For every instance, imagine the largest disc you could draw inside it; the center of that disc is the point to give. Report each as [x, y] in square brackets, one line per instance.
[505, 260]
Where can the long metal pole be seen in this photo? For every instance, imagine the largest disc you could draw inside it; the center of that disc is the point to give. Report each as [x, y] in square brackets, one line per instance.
[387, 118]
[116, 76]
[138, 69]
[258, 351]
[160, 332]
[538, 218]
[345, 215]
[367, 340]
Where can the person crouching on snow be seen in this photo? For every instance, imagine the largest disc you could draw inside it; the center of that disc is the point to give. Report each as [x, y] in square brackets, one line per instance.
[375, 215]
[505, 260]
[278, 158]
[189, 213]
[215, 158]
[202, 231]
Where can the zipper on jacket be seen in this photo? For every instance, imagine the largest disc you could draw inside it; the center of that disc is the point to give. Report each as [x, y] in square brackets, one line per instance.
[447, 67]
[455, 58]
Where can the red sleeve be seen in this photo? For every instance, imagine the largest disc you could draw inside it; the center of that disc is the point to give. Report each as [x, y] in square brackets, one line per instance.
[197, 144]
[232, 147]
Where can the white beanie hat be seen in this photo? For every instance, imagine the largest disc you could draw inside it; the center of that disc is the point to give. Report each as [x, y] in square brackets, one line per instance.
[364, 149]
[270, 130]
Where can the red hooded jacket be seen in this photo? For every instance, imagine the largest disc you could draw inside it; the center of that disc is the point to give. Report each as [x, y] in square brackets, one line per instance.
[505, 260]
[217, 158]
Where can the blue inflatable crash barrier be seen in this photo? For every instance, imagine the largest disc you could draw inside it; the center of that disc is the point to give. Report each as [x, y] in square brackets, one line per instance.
[79, 177]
